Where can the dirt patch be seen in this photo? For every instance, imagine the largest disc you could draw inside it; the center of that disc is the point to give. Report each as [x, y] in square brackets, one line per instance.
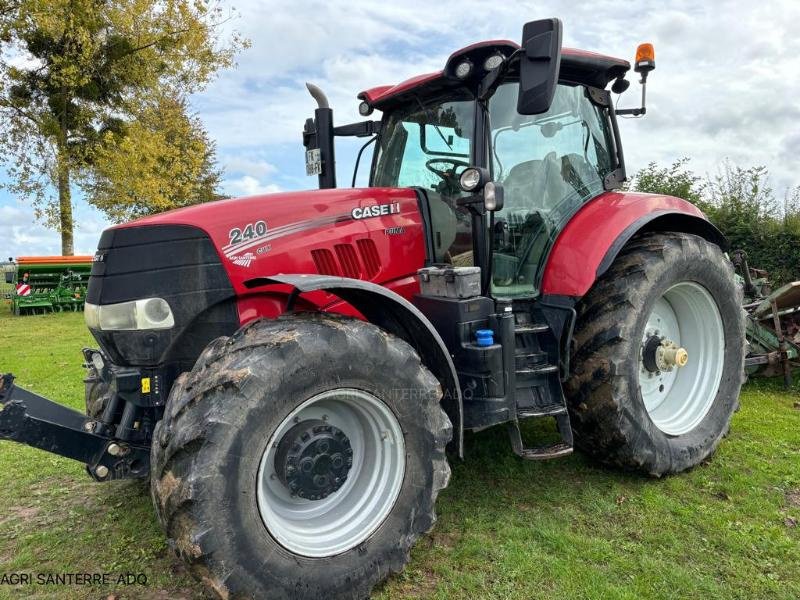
[166, 486]
[15, 514]
[793, 497]
[446, 540]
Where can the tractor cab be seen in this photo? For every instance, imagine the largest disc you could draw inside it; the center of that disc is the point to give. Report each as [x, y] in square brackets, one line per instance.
[535, 121]
[547, 164]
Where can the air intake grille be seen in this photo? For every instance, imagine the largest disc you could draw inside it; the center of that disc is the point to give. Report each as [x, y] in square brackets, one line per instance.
[325, 263]
[370, 257]
[348, 260]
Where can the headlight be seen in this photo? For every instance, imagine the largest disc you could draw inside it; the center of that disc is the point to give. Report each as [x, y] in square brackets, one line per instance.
[150, 313]
[470, 179]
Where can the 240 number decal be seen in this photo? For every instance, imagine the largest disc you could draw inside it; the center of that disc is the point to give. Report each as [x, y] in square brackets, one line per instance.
[249, 232]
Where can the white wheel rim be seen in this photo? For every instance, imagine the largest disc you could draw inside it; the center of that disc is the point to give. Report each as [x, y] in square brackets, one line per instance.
[677, 400]
[351, 514]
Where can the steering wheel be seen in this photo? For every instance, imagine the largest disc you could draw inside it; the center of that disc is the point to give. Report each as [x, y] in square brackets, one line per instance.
[445, 174]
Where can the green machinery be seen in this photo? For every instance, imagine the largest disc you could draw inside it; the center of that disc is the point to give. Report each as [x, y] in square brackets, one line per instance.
[48, 283]
[773, 324]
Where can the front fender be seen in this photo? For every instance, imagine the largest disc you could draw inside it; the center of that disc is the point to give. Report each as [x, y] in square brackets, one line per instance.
[393, 313]
[594, 236]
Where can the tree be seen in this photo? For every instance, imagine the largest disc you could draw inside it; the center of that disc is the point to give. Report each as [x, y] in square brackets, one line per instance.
[162, 159]
[74, 71]
[791, 210]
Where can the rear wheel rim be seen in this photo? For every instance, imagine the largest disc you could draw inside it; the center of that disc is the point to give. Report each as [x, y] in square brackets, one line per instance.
[352, 513]
[677, 400]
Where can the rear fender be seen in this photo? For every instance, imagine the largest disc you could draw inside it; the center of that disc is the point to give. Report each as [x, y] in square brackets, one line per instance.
[394, 314]
[595, 235]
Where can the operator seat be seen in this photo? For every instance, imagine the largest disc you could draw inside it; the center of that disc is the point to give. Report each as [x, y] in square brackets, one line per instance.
[520, 185]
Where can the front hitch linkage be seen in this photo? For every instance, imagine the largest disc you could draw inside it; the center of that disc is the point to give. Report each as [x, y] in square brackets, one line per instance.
[33, 420]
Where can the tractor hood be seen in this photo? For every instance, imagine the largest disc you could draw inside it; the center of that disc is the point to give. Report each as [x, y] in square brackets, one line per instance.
[347, 232]
[198, 259]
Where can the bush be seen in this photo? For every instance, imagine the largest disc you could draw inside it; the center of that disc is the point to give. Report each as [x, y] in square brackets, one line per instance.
[742, 204]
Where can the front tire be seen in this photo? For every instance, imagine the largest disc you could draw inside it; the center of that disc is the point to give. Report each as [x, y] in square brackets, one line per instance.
[229, 478]
[96, 393]
[631, 407]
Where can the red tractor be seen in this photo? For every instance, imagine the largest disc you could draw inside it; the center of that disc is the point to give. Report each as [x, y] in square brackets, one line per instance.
[288, 370]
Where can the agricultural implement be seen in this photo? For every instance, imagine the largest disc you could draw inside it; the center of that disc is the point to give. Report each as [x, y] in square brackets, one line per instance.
[289, 369]
[773, 322]
[45, 284]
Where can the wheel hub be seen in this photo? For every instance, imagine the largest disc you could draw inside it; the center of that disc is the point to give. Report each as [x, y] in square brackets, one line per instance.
[660, 354]
[313, 459]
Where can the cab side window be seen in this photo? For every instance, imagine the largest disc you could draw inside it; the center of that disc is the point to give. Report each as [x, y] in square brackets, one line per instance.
[428, 147]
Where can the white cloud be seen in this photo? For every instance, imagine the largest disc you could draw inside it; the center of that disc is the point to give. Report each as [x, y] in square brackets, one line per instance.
[248, 186]
[243, 164]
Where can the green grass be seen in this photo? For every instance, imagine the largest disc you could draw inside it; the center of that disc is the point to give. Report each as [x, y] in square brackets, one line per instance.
[507, 528]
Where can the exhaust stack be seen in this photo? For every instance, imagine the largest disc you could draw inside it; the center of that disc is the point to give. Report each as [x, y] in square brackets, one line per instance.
[318, 140]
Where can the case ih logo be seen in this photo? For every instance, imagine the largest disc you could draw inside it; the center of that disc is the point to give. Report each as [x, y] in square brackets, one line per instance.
[378, 210]
[244, 260]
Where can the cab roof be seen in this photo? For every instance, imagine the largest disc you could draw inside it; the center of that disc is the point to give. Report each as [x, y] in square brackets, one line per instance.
[579, 66]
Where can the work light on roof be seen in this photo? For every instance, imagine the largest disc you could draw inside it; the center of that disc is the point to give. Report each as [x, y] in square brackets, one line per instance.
[463, 69]
[494, 61]
[364, 109]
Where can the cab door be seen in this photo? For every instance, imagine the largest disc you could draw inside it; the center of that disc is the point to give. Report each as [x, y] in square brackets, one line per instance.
[550, 165]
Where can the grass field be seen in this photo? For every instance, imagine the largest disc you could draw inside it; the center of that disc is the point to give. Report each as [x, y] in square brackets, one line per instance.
[507, 528]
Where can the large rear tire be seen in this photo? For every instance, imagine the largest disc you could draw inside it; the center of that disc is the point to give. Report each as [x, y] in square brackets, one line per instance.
[669, 298]
[300, 458]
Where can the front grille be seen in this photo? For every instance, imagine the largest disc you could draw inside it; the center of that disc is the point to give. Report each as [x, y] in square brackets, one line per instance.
[177, 263]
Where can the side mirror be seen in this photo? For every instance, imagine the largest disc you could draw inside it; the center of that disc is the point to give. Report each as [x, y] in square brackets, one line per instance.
[9, 276]
[476, 179]
[539, 65]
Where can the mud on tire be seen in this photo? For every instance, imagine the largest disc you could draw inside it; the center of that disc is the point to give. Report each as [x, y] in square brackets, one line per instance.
[608, 413]
[219, 417]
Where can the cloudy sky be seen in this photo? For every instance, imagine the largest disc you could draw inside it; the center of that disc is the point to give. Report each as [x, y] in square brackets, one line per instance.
[727, 84]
